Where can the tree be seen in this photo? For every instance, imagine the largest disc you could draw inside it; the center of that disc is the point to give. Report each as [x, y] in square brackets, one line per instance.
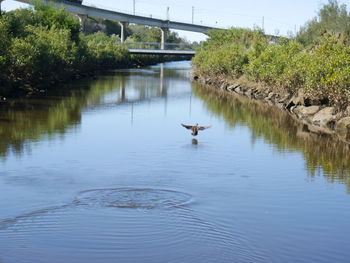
[331, 18]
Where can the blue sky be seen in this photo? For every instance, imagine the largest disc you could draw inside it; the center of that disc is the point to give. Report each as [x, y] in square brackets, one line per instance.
[280, 16]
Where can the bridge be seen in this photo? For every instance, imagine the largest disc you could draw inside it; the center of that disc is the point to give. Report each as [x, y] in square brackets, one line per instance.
[84, 11]
[162, 52]
[152, 48]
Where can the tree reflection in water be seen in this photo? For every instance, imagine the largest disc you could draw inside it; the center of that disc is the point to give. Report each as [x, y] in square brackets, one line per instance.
[50, 115]
[323, 153]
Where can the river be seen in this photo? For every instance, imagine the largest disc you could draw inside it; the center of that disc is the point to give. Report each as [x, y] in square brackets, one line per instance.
[103, 172]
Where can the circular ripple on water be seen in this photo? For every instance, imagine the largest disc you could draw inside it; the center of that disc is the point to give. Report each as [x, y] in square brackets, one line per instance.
[140, 198]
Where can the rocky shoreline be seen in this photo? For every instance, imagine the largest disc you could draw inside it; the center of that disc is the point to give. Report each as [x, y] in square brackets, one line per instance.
[317, 114]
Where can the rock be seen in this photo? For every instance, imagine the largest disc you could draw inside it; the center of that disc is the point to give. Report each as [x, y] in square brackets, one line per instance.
[297, 99]
[248, 93]
[270, 95]
[280, 106]
[231, 87]
[343, 123]
[347, 111]
[238, 90]
[291, 109]
[283, 99]
[223, 86]
[193, 77]
[258, 95]
[324, 117]
[316, 101]
[304, 112]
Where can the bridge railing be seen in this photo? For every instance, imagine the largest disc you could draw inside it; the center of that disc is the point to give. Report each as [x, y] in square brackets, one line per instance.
[156, 45]
[92, 3]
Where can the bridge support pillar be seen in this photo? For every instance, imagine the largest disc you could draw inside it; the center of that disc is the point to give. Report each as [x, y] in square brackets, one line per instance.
[122, 31]
[82, 20]
[0, 6]
[164, 31]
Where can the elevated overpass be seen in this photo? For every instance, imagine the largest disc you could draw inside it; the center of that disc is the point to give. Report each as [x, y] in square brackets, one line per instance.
[84, 11]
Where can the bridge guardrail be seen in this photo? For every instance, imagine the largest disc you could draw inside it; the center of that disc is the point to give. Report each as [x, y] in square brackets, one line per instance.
[156, 45]
[129, 12]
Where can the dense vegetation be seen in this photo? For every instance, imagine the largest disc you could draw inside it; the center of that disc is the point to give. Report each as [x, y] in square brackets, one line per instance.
[43, 45]
[317, 61]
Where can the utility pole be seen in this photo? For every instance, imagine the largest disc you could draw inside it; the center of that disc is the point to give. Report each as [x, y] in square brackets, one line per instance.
[167, 13]
[192, 14]
[134, 7]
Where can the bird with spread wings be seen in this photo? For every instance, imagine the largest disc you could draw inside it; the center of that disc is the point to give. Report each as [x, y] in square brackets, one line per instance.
[195, 128]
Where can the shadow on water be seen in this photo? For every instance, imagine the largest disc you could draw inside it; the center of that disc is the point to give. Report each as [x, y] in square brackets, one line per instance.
[54, 114]
[323, 154]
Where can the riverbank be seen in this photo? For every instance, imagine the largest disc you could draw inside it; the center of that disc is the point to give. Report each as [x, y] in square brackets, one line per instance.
[318, 116]
[306, 74]
[35, 88]
[43, 47]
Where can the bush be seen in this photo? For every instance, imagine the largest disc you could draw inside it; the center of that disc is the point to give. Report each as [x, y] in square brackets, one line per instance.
[226, 52]
[328, 68]
[42, 57]
[273, 62]
[43, 45]
[332, 18]
[322, 70]
[104, 50]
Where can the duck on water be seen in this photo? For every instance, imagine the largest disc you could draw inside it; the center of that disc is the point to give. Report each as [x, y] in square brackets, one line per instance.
[195, 128]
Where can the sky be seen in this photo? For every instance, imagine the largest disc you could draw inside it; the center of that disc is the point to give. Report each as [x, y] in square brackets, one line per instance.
[277, 17]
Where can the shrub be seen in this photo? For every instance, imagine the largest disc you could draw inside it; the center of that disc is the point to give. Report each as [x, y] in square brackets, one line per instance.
[322, 70]
[41, 57]
[104, 50]
[272, 63]
[226, 52]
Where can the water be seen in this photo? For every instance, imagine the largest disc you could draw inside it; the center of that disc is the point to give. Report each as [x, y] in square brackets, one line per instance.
[104, 172]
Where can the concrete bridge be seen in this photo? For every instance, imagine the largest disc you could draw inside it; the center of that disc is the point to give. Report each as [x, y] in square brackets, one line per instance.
[162, 52]
[83, 11]
[151, 48]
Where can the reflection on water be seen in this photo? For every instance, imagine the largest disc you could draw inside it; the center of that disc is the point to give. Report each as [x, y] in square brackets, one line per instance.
[104, 172]
[29, 119]
[321, 152]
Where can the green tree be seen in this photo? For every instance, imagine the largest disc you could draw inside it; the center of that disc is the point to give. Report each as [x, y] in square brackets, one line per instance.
[332, 18]
[50, 16]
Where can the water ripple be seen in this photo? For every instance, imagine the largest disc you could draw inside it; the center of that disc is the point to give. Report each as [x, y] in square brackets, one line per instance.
[94, 228]
[143, 198]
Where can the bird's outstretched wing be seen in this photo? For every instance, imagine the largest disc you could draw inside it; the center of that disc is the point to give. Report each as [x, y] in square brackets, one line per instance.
[201, 128]
[189, 127]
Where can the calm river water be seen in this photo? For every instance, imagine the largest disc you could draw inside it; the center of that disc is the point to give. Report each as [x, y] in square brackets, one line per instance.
[105, 173]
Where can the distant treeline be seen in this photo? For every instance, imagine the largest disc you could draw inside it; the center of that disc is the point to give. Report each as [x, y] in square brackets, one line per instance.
[317, 60]
[42, 45]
